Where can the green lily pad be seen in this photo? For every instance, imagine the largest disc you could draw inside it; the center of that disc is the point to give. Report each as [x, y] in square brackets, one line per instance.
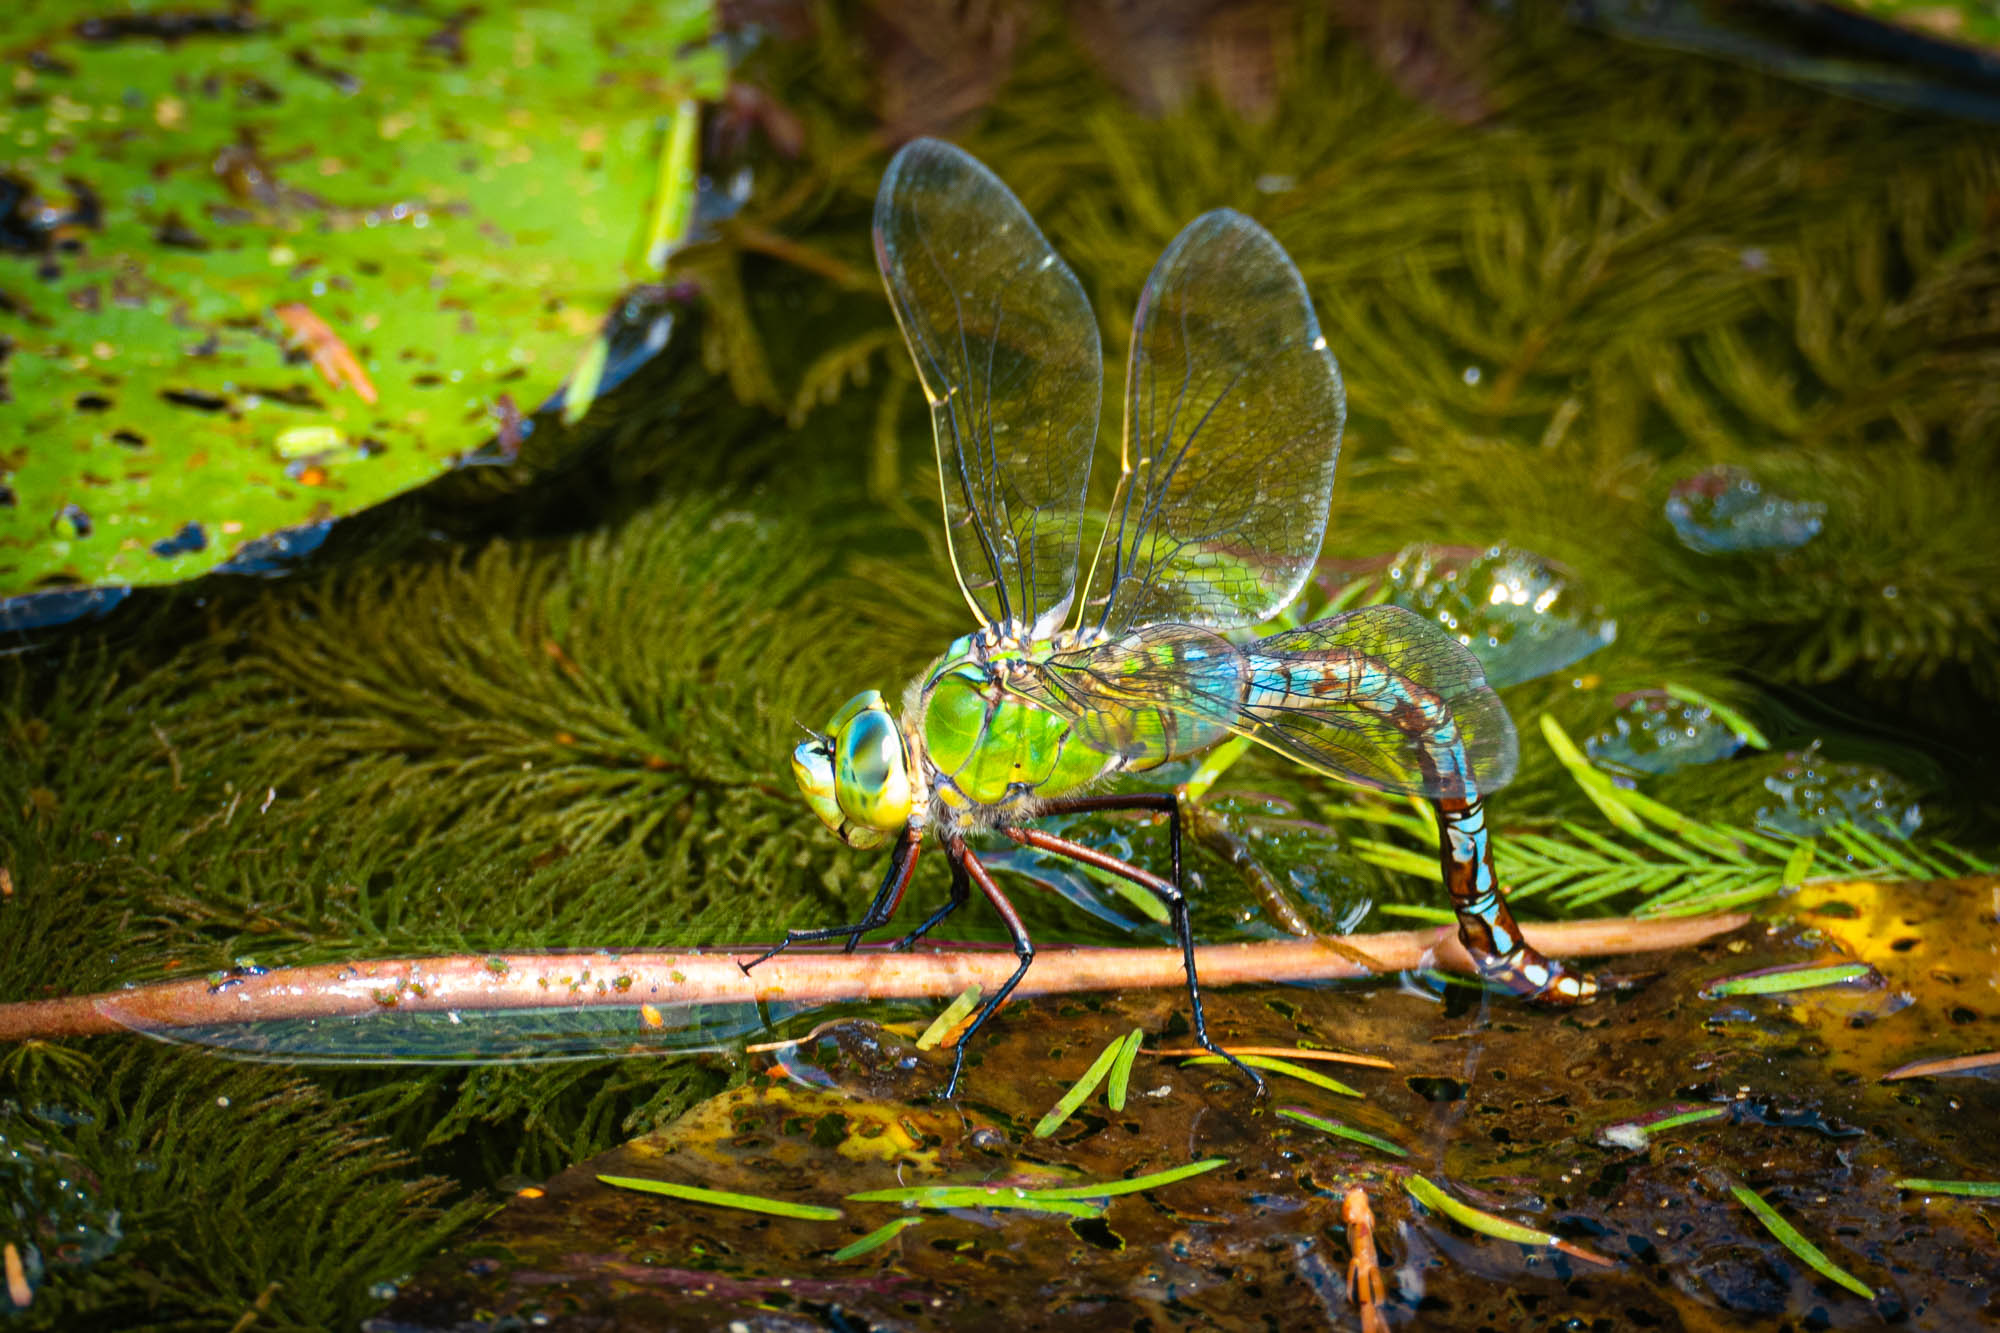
[263, 268]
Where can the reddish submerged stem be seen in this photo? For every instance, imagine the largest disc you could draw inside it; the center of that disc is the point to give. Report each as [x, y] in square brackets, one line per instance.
[712, 976]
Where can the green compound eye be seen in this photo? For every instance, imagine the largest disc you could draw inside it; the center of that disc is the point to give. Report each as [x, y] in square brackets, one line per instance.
[857, 778]
[812, 766]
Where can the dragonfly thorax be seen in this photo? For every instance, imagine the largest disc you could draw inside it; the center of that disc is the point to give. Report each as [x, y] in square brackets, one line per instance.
[989, 753]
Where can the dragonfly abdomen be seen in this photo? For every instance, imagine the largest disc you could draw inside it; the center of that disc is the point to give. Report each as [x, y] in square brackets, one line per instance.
[1319, 686]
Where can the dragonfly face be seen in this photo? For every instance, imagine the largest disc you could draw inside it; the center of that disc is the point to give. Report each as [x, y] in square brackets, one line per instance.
[856, 777]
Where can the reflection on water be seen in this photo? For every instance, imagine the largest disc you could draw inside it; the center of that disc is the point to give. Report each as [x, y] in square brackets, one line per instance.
[59, 1217]
[404, 1036]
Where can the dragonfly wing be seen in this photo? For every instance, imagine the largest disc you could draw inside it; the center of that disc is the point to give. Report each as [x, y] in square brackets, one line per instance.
[1379, 697]
[1007, 349]
[1233, 413]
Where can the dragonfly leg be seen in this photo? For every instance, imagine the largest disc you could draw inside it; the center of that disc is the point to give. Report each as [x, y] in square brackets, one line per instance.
[1024, 949]
[1168, 893]
[902, 865]
[961, 890]
[1485, 925]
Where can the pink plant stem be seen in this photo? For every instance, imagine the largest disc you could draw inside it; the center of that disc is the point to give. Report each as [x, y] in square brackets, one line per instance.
[664, 980]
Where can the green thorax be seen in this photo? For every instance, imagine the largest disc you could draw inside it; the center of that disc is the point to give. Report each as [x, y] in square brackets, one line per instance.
[988, 747]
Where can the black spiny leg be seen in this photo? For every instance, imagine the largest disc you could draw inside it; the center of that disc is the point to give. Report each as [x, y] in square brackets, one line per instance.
[1168, 893]
[902, 865]
[1024, 948]
[961, 889]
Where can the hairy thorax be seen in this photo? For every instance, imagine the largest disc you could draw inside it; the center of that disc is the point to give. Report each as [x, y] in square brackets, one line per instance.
[988, 753]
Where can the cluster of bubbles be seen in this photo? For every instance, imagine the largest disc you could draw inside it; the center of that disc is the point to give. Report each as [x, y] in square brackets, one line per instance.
[1520, 614]
[1654, 733]
[1724, 509]
[1811, 795]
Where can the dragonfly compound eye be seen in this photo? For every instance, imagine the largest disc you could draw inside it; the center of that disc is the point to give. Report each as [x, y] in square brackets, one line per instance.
[812, 766]
[871, 776]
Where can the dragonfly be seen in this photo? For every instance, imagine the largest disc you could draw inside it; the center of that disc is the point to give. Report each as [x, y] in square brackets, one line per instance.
[1079, 673]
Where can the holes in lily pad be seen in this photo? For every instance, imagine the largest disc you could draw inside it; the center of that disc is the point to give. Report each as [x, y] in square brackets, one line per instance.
[291, 395]
[92, 402]
[177, 235]
[195, 398]
[191, 538]
[132, 439]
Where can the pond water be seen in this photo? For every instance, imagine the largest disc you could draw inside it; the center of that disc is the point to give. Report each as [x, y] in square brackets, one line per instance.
[1671, 395]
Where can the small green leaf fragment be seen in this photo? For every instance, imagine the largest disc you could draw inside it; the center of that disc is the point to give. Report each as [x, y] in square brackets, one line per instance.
[874, 1240]
[1334, 1127]
[1105, 1189]
[674, 187]
[1601, 790]
[1780, 980]
[1686, 1118]
[1799, 864]
[1152, 908]
[1789, 1237]
[1971, 1189]
[1121, 1070]
[1080, 1090]
[1272, 1064]
[977, 1196]
[1486, 1224]
[749, 1203]
[954, 1013]
[1389, 856]
[306, 441]
[581, 391]
[1436, 916]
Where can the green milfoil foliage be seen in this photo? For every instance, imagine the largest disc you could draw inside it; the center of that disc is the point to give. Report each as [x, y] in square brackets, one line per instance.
[572, 745]
[171, 1190]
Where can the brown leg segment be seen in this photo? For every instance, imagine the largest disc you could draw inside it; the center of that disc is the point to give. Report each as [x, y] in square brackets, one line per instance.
[1168, 893]
[1024, 949]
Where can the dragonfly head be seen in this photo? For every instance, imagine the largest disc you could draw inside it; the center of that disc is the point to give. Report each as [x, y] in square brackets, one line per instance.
[856, 777]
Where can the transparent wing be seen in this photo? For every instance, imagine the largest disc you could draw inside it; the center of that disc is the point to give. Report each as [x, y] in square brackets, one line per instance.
[1007, 349]
[1380, 697]
[1233, 414]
